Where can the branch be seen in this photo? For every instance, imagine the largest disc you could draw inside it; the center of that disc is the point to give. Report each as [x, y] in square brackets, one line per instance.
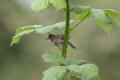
[64, 50]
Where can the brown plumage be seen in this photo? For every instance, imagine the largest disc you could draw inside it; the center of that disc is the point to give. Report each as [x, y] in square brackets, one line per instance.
[59, 39]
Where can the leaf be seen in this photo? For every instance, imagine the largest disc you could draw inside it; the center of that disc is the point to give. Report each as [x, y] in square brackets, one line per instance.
[86, 71]
[102, 19]
[20, 31]
[114, 15]
[75, 78]
[83, 15]
[89, 72]
[74, 68]
[49, 57]
[81, 12]
[55, 73]
[79, 9]
[77, 62]
[59, 4]
[49, 28]
[38, 5]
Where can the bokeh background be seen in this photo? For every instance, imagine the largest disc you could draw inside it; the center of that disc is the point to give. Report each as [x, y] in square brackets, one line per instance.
[23, 61]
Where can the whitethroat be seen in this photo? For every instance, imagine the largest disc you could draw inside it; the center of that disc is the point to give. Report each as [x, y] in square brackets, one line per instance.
[59, 39]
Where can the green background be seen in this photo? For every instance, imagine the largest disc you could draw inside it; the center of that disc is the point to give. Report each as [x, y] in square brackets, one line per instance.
[23, 61]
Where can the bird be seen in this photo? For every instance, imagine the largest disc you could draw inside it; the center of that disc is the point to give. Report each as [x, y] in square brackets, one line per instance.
[59, 39]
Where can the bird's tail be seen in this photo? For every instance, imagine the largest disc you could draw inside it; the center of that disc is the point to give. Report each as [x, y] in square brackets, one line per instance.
[70, 44]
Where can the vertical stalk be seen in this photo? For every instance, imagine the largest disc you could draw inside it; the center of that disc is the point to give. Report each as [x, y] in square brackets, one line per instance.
[66, 34]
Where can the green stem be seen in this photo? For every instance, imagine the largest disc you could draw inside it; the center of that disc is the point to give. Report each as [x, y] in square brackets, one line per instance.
[66, 34]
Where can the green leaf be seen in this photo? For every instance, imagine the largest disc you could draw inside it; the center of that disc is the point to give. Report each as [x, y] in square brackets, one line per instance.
[49, 57]
[79, 9]
[42, 4]
[77, 62]
[114, 15]
[55, 73]
[49, 28]
[83, 15]
[20, 31]
[102, 19]
[75, 78]
[86, 71]
[89, 72]
[74, 68]
[81, 12]
[59, 4]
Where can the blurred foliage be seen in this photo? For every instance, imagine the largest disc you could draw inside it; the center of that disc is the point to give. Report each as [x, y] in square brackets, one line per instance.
[23, 61]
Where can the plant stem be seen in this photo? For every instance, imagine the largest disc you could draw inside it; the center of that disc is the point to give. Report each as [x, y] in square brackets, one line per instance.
[66, 34]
